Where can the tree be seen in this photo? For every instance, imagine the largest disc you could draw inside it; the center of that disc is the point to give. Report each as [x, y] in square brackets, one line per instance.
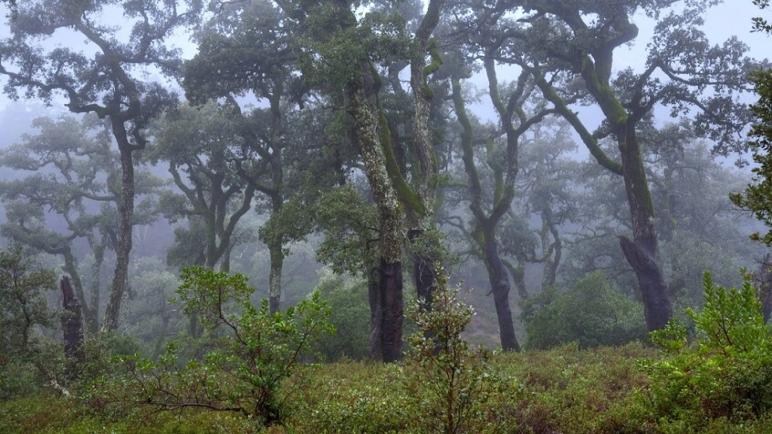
[23, 311]
[249, 48]
[105, 79]
[502, 161]
[70, 173]
[204, 154]
[757, 197]
[569, 50]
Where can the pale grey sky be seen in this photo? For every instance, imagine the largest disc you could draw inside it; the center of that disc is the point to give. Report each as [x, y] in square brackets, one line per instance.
[732, 17]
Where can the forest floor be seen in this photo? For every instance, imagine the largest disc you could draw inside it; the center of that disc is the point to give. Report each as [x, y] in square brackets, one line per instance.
[563, 390]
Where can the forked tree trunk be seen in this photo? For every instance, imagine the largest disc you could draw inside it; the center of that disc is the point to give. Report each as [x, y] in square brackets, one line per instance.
[365, 111]
[72, 327]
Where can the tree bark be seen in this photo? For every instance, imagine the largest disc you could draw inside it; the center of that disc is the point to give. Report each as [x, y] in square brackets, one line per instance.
[125, 226]
[72, 327]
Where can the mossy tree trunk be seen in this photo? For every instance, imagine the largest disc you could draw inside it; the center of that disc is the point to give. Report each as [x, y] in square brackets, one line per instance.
[370, 131]
[125, 228]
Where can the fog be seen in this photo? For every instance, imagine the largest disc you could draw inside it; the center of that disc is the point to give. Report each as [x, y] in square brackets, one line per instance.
[250, 189]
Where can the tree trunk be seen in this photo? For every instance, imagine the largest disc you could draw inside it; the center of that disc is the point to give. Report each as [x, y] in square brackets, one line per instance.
[641, 252]
[274, 278]
[423, 272]
[376, 314]
[71, 268]
[365, 111]
[392, 306]
[497, 275]
[92, 318]
[551, 262]
[72, 327]
[123, 249]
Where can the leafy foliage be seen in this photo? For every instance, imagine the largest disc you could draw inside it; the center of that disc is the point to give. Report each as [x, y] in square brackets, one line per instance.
[726, 373]
[445, 378]
[592, 313]
[254, 352]
[757, 197]
[349, 314]
[23, 310]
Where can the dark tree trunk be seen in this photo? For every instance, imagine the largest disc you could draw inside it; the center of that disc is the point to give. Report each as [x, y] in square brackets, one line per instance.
[552, 262]
[71, 268]
[392, 314]
[274, 278]
[72, 327]
[423, 272]
[92, 318]
[123, 249]
[641, 252]
[376, 313]
[497, 275]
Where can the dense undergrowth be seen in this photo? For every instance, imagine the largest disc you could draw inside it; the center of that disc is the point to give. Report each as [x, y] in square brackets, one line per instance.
[713, 374]
[566, 390]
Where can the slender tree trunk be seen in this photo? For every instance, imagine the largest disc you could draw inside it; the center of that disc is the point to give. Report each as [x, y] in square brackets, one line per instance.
[425, 261]
[159, 340]
[72, 327]
[123, 249]
[274, 277]
[641, 252]
[497, 275]
[92, 323]
[552, 261]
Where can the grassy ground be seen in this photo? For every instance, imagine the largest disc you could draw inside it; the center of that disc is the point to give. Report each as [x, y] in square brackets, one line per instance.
[563, 390]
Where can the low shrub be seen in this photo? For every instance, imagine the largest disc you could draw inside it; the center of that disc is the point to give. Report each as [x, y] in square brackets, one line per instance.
[349, 314]
[592, 313]
[725, 373]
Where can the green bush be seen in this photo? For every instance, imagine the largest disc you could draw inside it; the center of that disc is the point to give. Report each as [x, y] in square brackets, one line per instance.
[725, 374]
[350, 315]
[255, 352]
[592, 313]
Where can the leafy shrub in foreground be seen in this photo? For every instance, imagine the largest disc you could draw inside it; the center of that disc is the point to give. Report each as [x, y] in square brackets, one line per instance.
[592, 313]
[256, 351]
[727, 373]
